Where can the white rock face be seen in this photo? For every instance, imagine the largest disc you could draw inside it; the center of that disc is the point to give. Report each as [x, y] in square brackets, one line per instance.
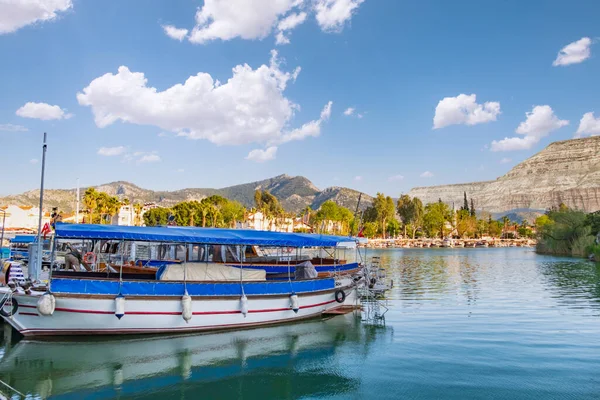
[564, 172]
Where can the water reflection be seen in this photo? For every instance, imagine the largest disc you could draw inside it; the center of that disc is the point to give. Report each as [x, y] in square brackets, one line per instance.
[427, 275]
[283, 362]
[573, 283]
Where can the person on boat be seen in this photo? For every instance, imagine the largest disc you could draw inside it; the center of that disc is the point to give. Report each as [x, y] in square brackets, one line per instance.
[74, 259]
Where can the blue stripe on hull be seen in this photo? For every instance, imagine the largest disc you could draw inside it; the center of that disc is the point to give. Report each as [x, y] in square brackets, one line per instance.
[157, 288]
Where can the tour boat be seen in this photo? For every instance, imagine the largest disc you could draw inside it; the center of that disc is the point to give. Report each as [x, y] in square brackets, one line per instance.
[183, 297]
[146, 258]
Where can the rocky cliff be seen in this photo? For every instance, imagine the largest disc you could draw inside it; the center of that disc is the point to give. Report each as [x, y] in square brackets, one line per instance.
[564, 172]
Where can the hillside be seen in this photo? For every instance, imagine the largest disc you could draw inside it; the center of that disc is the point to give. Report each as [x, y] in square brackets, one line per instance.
[564, 172]
[294, 192]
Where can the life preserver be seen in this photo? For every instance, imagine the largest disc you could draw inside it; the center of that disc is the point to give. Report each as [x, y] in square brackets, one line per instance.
[89, 258]
[15, 307]
[340, 296]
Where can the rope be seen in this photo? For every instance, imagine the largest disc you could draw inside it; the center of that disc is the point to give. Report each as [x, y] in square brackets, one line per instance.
[12, 388]
[241, 272]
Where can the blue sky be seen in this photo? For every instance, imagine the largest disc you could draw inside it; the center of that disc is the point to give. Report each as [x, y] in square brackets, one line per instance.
[392, 61]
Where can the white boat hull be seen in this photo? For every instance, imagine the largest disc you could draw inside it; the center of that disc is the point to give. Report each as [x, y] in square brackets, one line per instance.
[95, 314]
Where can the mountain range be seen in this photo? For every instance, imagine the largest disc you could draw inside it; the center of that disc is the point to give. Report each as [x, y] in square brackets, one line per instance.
[564, 172]
[294, 192]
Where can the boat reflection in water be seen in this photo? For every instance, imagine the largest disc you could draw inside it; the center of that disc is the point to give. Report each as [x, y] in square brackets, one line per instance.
[287, 361]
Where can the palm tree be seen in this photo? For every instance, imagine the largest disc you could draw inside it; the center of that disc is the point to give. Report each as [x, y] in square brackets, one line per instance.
[137, 208]
[90, 201]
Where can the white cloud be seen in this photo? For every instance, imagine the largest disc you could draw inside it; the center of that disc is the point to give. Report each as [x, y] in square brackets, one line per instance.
[326, 112]
[249, 107]
[280, 38]
[505, 160]
[287, 24]
[358, 178]
[539, 123]
[349, 111]
[42, 111]
[12, 128]
[111, 151]
[257, 19]
[139, 157]
[463, 109]
[332, 15]
[15, 14]
[588, 126]
[396, 178]
[229, 19]
[426, 174]
[175, 33]
[163, 134]
[33, 161]
[574, 53]
[260, 155]
[180, 170]
[149, 158]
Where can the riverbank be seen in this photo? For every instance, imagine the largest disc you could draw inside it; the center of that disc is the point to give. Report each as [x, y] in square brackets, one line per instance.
[448, 243]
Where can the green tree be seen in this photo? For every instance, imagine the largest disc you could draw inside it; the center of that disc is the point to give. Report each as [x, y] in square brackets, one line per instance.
[466, 203]
[393, 227]
[384, 209]
[473, 212]
[232, 212]
[435, 218]
[406, 210]
[418, 213]
[90, 202]
[157, 216]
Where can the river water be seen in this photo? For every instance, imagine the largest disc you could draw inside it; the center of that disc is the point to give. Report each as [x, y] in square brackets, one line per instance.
[462, 323]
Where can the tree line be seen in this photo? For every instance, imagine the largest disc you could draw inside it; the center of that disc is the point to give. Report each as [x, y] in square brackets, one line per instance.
[385, 217]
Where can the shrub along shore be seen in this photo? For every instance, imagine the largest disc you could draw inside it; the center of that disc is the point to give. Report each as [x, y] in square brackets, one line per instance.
[567, 232]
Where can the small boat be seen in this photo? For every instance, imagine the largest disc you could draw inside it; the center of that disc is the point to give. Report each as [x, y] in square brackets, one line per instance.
[189, 296]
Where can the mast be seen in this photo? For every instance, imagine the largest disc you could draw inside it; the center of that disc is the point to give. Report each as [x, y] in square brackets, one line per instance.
[40, 246]
[77, 204]
[356, 213]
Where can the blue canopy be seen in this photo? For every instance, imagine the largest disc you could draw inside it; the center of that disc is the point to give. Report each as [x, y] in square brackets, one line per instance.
[23, 239]
[197, 235]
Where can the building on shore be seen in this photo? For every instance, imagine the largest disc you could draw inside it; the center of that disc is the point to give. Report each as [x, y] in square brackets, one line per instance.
[22, 217]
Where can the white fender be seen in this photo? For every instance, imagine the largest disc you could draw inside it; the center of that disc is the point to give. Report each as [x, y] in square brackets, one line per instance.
[186, 307]
[118, 377]
[294, 302]
[119, 306]
[46, 304]
[244, 305]
[186, 365]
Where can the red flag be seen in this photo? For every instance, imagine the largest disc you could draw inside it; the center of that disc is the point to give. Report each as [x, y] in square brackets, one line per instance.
[46, 229]
[360, 233]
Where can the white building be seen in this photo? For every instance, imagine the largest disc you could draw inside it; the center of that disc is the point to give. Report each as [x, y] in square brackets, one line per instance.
[22, 217]
[127, 215]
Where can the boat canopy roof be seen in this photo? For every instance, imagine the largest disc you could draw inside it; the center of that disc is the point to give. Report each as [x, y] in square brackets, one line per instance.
[23, 239]
[199, 235]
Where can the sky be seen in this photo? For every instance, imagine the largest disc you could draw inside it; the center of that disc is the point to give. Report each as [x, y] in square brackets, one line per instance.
[376, 95]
